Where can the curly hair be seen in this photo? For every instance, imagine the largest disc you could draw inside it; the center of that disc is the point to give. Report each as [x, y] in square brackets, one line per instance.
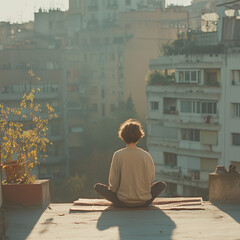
[131, 131]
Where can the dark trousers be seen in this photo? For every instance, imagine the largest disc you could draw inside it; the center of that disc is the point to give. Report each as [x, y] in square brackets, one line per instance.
[104, 191]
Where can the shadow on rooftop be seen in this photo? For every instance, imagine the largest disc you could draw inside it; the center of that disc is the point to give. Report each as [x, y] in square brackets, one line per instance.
[231, 209]
[27, 216]
[138, 224]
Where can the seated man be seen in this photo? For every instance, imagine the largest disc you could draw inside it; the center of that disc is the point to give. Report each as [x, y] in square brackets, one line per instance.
[132, 172]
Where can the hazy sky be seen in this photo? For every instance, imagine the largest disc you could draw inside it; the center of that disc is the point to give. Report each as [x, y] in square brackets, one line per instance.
[22, 10]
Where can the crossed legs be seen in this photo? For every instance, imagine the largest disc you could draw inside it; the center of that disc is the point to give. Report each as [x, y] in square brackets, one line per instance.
[104, 191]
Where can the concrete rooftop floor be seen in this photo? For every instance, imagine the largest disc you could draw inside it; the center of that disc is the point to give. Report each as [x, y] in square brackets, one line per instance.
[215, 222]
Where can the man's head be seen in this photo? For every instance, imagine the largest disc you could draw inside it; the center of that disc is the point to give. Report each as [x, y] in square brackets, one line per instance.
[131, 131]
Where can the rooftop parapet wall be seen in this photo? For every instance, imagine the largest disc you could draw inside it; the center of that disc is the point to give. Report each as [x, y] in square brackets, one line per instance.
[224, 188]
[190, 61]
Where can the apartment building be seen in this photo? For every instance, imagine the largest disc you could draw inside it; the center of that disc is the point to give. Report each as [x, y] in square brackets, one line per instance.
[15, 80]
[104, 13]
[114, 55]
[149, 31]
[193, 109]
[185, 121]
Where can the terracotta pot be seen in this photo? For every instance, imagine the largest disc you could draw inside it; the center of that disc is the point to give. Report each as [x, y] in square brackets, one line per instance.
[14, 171]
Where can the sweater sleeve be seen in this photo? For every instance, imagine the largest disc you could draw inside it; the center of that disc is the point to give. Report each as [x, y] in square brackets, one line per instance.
[114, 174]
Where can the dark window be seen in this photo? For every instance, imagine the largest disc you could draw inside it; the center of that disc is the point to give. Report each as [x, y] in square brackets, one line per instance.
[103, 94]
[170, 159]
[191, 135]
[193, 76]
[196, 174]
[181, 76]
[112, 107]
[186, 106]
[204, 107]
[154, 105]
[236, 139]
[211, 78]
[187, 76]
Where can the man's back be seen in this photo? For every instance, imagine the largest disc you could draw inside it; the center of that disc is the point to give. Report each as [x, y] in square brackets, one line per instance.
[131, 174]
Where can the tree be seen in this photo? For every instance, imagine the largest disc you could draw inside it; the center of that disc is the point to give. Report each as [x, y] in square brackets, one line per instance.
[24, 140]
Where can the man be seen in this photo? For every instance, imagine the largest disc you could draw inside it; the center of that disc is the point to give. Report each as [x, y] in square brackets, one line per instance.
[132, 172]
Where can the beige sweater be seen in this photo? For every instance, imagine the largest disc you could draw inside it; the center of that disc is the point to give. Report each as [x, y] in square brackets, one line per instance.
[131, 174]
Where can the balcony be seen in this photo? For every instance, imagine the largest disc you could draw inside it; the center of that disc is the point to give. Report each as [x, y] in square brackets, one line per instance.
[173, 146]
[186, 91]
[198, 61]
[174, 175]
[167, 173]
[164, 142]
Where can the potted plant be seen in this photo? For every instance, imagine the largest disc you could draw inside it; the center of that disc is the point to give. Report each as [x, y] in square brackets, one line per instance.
[159, 78]
[23, 138]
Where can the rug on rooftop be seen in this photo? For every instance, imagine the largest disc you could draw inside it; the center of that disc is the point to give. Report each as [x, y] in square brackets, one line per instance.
[179, 203]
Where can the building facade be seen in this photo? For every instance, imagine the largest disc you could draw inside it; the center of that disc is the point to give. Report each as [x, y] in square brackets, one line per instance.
[15, 80]
[193, 122]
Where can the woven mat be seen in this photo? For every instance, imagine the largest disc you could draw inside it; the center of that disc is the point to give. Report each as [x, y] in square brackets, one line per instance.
[181, 203]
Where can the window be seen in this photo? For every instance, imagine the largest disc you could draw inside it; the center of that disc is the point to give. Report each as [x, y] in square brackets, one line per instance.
[189, 76]
[236, 139]
[211, 78]
[236, 77]
[198, 107]
[112, 107]
[191, 135]
[103, 93]
[196, 174]
[170, 159]
[186, 106]
[181, 74]
[154, 105]
[236, 110]
[209, 137]
[193, 76]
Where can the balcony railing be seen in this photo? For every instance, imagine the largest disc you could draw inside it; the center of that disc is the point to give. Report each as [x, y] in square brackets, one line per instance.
[166, 111]
[195, 178]
[189, 90]
[18, 96]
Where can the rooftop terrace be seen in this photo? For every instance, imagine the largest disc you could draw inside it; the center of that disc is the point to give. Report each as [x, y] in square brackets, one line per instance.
[56, 222]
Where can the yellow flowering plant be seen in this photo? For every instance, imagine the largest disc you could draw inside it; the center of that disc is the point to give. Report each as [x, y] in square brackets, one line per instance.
[23, 136]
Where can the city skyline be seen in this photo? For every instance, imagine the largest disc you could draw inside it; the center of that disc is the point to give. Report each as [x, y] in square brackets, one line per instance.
[23, 10]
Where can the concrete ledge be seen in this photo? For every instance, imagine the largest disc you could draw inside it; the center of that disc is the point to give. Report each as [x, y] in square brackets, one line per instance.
[36, 194]
[224, 188]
